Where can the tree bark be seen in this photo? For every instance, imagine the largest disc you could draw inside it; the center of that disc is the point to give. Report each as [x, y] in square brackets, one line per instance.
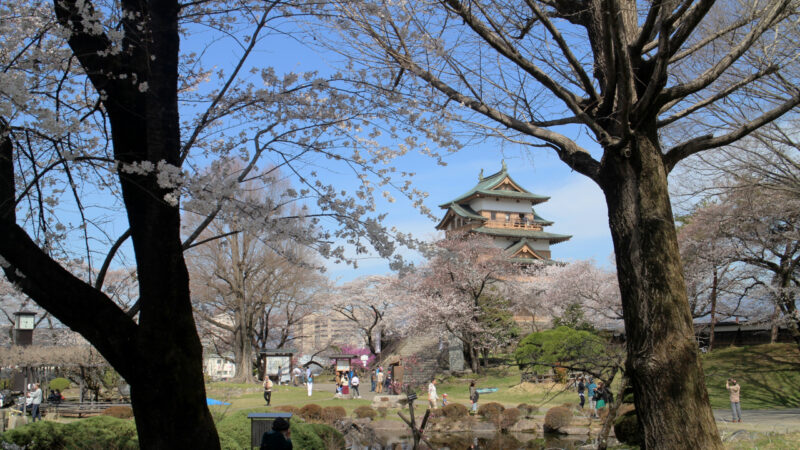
[714, 284]
[663, 365]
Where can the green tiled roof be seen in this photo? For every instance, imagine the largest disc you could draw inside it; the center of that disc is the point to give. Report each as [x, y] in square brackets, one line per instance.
[541, 220]
[466, 211]
[486, 185]
[530, 234]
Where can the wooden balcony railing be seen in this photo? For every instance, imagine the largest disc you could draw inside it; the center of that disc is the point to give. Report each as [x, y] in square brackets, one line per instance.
[514, 224]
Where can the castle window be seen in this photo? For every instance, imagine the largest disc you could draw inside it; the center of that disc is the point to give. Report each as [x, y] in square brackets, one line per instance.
[508, 217]
[494, 215]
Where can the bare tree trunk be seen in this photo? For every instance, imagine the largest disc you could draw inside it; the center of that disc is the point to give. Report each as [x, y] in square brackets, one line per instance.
[776, 314]
[658, 325]
[714, 286]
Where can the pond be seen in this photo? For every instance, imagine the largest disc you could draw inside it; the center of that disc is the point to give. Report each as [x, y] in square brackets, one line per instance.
[395, 440]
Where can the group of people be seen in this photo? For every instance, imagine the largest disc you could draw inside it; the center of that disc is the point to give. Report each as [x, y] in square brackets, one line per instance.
[33, 400]
[599, 395]
[380, 380]
[347, 383]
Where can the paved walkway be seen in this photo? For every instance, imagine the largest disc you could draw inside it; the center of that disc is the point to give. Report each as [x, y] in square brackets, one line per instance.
[778, 420]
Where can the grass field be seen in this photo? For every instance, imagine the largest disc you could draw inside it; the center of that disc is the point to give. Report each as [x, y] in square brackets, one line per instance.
[769, 376]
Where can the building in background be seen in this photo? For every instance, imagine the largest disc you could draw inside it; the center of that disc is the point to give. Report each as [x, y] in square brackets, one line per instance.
[499, 207]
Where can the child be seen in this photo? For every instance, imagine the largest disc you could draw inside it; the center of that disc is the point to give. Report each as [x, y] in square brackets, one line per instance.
[444, 400]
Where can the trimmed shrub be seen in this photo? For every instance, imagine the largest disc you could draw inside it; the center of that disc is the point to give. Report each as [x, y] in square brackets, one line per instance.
[626, 429]
[236, 428]
[330, 414]
[312, 411]
[382, 410]
[59, 384]
[100, 432]
[364, 411]
[455, 411]
[508, 418]
[287, 408]
[234, 431]
[120, 412]
[527, 410]
[557, 418]
[490, 410]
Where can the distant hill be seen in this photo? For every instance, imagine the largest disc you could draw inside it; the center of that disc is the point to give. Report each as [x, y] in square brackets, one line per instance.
[769, 375]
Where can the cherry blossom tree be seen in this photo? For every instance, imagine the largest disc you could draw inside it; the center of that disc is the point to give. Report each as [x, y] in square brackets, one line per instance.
[716, 283]
[119, 112]
[648, 82]
[582, 283]
[460, 291]
[370, 303]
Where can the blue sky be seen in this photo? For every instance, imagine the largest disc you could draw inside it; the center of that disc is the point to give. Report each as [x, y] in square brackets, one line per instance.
[576, 206]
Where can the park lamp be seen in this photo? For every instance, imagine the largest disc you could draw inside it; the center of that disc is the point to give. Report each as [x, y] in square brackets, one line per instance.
[24, 322]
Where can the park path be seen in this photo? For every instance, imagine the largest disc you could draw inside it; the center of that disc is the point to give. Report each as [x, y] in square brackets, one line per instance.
[778, 420]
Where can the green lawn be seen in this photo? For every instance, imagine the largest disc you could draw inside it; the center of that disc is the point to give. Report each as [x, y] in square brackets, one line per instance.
[769, 375]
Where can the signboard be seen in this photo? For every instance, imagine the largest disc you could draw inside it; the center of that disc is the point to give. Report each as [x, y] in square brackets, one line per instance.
[364, 359]
[342, 364]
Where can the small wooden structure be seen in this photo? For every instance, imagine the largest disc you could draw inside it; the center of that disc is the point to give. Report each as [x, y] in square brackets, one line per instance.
[343, 362]
[281, 355]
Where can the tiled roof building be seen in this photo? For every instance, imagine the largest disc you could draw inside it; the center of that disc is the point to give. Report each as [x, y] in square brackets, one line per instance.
[499, 207]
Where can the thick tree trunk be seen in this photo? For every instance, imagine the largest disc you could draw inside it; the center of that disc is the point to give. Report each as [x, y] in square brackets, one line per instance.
[663, 365]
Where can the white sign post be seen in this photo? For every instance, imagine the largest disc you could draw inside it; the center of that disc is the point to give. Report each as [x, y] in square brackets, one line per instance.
[364, 359]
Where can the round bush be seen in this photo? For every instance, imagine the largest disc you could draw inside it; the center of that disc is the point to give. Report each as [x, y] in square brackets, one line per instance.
[311, 411]
[527, 410]
[626, 429]
[59, 384]
[330, 414]
[455, 411]
[508, 418]
[93, 432]
[363, 412]
[287, 408]
[557, 418]
[120, 412]
[490, 410]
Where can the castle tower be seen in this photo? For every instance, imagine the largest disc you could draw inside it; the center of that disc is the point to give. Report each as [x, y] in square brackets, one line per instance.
[499, 207]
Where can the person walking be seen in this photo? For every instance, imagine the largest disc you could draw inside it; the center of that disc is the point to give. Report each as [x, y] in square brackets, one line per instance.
[600, 396]
[372, 376]
[736, 409]
[36, 403]
[297, 374]
[592, 401]
[473, 396]
[354, 382]
[309, 381]
[432, 397]
[379, 380]
[267, 389]
[280, 374]
[581, 389]
[308, 373]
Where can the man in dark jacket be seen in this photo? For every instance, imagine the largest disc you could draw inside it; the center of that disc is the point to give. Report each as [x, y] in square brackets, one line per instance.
[280, 438]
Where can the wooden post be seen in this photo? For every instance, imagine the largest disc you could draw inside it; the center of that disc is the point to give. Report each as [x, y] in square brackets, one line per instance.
[416, 432]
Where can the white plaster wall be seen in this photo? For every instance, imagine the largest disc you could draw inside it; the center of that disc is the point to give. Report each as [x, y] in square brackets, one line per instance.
[507, 205]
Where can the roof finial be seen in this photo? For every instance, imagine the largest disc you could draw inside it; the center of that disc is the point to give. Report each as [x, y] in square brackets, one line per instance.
[480, 176]
[503, 161]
